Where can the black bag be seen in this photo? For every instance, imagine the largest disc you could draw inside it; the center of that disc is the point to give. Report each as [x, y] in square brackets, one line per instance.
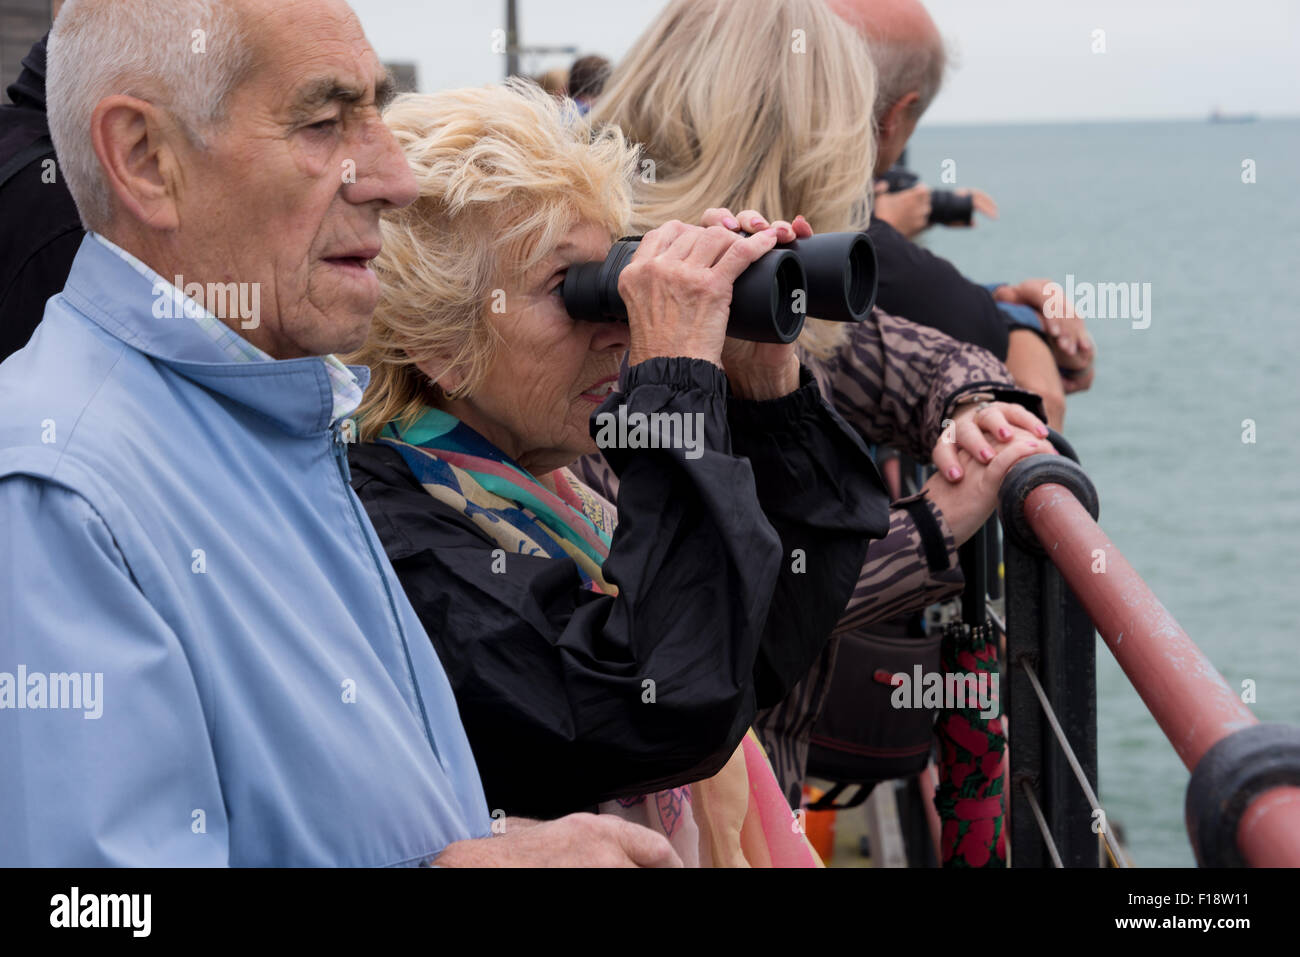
[861, 738]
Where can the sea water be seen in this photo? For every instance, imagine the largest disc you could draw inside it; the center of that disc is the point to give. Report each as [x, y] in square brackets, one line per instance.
[1192, 426]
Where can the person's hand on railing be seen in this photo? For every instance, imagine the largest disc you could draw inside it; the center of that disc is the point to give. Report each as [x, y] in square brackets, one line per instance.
[978, 430]
[1067, 333]
[967, 502]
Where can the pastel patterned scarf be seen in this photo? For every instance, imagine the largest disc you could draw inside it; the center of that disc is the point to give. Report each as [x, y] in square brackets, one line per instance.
[460, 468]
[736, 818]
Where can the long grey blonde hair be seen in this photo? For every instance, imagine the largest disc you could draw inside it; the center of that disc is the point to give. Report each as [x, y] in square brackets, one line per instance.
[749, 104]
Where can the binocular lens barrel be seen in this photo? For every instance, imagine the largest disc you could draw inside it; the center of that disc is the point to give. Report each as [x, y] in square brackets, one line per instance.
[841, 270]
[832, 276]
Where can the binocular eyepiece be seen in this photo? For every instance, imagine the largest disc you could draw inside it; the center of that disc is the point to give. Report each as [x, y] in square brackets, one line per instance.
[832, 276]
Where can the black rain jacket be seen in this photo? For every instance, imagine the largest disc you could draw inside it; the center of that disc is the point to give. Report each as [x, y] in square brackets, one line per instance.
[732, 569]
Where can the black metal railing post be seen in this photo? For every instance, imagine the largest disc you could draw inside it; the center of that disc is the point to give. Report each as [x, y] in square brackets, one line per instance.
[1048, 630]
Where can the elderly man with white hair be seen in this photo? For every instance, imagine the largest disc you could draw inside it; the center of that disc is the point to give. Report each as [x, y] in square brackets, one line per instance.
[205, 657]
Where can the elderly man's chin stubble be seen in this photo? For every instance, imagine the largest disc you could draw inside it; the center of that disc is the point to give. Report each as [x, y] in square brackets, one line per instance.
[340, 312]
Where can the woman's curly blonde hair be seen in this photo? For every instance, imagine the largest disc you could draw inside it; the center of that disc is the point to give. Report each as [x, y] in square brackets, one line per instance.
[504, 172]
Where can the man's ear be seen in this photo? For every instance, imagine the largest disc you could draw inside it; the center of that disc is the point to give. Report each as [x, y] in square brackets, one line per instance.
[897, 114]
[131, 140]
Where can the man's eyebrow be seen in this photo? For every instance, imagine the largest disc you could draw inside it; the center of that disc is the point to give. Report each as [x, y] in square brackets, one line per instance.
[385, 90]
[326, 90]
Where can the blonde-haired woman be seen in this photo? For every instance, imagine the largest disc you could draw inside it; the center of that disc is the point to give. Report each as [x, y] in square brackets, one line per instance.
[766, 104]
[595, 666]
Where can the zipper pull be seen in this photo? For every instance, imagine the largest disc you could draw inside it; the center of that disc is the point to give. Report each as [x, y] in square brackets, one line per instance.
[341, 452]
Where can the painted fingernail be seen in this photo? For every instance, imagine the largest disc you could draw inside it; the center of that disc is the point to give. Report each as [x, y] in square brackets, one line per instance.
[1042, 431]
[954, 473]
[1004, 434]
[760, 223]
[986, 454]
[731, 223]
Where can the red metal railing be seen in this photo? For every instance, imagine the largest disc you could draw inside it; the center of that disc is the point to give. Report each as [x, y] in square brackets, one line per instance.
[1189, 699]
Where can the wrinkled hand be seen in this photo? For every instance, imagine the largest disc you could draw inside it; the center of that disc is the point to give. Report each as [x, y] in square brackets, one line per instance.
[908, 210]
[967, 505]
[1072, 347]
[578, 840]
[979, 432]
[677, 289]
[759, 370]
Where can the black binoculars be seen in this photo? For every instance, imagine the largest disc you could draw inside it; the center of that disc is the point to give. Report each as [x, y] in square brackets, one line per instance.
[832, 276]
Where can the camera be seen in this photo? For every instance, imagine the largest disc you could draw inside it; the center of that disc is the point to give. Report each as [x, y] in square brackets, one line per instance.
[831, 276]
[946, 207]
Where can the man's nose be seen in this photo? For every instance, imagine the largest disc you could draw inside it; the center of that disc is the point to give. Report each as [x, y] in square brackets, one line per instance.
[382, 172]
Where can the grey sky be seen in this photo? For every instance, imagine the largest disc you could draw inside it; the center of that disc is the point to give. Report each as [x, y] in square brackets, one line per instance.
[1017, 60]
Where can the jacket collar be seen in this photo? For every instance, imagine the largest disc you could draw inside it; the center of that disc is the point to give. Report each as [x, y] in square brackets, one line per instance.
[294, 393]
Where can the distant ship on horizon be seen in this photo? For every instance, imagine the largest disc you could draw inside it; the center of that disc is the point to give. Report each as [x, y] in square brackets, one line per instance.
[1218, 116]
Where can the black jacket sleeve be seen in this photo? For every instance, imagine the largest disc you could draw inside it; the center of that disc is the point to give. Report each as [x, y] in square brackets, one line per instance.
[570, 697]
[919, 286]
[820, 489]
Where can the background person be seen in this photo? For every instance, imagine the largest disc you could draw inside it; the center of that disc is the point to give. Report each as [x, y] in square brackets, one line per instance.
[911, 207]
[909, 58]
[555, 81]
[39, 227]
[587, 78]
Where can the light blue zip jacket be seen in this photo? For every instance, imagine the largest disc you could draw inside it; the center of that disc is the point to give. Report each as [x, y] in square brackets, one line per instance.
[181, 525]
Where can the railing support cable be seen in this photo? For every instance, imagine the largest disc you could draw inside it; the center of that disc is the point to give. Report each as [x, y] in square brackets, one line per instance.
[1042, 824]
[1074, 765]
